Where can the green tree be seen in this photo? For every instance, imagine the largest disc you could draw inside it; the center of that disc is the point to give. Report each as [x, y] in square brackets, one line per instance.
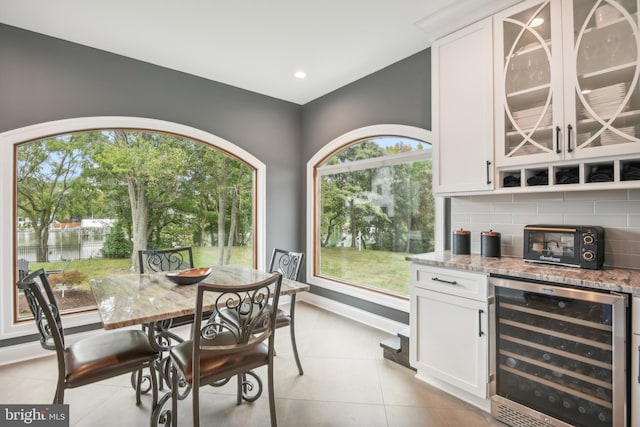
[151, 166]
[117, 245]
[47, 170]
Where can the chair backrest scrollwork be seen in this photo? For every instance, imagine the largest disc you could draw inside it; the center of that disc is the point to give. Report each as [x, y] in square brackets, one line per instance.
[165, 259]
[243, 316]
[44, 308]
[286, 262]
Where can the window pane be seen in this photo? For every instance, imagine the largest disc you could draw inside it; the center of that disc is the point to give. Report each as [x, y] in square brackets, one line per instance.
[372, 217]
[88, 201]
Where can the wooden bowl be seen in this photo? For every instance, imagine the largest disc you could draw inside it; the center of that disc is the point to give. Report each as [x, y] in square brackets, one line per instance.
[189, 277]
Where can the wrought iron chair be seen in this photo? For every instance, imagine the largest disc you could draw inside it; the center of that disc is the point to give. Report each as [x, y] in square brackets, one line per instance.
[91, 359]
[288, 263]
[231, 343]
[165, 259]
[23, 268]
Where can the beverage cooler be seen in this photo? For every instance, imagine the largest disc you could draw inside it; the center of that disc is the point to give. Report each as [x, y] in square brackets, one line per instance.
[560, 355]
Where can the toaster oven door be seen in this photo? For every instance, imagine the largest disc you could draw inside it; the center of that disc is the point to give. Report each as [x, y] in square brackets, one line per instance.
[552, 246]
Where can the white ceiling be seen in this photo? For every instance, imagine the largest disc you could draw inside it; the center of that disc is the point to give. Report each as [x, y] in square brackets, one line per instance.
[254, 44]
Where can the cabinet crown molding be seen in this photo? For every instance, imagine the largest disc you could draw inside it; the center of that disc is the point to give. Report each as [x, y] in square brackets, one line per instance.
[459, 14]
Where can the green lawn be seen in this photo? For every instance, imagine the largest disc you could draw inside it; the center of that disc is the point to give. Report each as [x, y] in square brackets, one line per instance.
[103, 267]
[377, 269]
[380, 269]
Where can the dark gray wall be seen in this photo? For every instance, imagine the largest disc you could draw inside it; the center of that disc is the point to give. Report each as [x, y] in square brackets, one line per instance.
[398, 94]
[44, 79]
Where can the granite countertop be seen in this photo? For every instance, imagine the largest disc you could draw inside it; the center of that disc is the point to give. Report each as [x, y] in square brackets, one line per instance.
[612, 279]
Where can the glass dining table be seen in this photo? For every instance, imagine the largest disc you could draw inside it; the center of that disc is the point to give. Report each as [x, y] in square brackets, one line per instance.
[154, 301]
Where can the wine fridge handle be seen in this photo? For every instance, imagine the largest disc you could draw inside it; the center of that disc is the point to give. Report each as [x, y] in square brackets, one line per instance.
[450, 282]
[639, 364]
[480, 313]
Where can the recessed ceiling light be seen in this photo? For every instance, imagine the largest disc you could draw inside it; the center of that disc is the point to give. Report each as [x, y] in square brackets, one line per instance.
[300, 74]
[536, 22]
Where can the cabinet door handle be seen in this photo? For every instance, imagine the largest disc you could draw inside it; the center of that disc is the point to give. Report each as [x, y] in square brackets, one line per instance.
[480, 313]
[450, 282]
[558, 139]
[569, 129]
[488, 172]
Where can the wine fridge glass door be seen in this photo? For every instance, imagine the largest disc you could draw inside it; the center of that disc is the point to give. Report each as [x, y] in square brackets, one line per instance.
[561, 351]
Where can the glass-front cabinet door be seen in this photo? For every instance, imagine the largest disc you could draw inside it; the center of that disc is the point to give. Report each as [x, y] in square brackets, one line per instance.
[528, 82]
[567, 81]
[602, 93]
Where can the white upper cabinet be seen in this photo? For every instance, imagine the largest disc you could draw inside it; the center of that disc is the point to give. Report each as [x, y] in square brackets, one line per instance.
[566, 81]
[462, 108]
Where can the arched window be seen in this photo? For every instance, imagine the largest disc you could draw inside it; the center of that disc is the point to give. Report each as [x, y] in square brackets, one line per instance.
[371, 206]
[87, 200]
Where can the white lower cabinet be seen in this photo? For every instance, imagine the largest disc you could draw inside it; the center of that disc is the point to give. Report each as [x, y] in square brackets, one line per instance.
[450, 323]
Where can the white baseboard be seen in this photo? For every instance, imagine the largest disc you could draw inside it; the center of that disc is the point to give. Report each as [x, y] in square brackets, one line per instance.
[356, 314]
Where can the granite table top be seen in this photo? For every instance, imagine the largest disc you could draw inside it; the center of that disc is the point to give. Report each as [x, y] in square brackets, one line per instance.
[133, 299]
[611, 279]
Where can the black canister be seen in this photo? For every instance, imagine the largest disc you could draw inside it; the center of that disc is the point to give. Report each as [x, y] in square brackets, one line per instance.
[490, 243]
[461, 242]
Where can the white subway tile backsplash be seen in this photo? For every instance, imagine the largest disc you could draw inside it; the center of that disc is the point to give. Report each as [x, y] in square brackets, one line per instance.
[566, 207]
[538, 197]
[466, 205]
[492, 218]
[460, 219]
[619, 221]
[493, 198]
[634, 194]
[622, 206]
[617, 210]
[534, 218]
[597, 195]
[513, 207]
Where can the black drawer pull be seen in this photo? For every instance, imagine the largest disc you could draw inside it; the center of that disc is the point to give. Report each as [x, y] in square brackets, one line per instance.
[450, 282]
[480, 312]
[488, 172]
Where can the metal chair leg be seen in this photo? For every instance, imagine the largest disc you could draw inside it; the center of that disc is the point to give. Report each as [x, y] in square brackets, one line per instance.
[292, 330]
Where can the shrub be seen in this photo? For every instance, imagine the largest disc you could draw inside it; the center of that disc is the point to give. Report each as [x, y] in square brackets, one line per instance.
[117, 245]
[73, 277]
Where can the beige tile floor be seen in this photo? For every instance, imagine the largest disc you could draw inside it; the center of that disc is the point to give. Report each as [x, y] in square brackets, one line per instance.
[346, 383]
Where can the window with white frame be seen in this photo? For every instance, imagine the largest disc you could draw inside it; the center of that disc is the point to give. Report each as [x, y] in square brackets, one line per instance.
[372, 205]
[64, 188]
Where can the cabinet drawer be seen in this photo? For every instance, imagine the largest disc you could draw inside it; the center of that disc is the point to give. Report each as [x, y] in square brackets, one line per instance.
[452, 282]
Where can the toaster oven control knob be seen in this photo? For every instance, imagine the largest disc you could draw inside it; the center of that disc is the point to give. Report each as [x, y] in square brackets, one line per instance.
[588, 255]
[588, 239]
